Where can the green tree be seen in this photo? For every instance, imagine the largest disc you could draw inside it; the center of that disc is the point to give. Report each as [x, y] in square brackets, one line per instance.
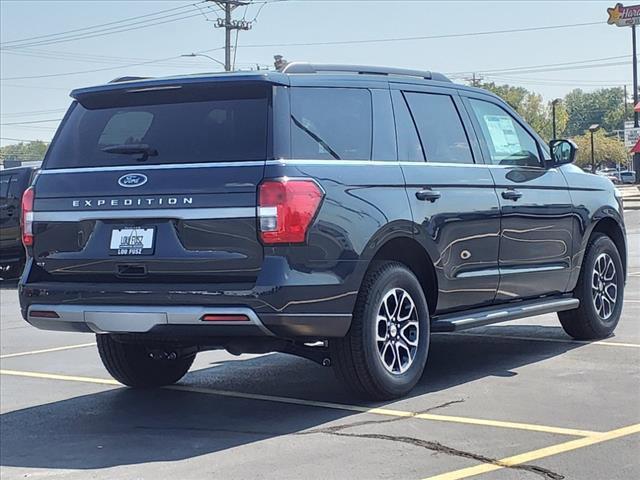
[25, 152]
[608, 151]
[604, 107]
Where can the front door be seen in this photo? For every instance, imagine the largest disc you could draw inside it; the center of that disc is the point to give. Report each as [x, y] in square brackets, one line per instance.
[452, 197]
[536, 226]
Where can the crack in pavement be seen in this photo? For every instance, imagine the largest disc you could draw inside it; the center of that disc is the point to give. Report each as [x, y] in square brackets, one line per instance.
[338, 430]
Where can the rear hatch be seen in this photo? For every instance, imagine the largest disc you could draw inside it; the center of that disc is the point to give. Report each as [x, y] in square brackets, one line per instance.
[154, 184]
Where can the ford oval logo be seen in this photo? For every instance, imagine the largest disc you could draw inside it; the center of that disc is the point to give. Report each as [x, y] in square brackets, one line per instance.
[132, 180]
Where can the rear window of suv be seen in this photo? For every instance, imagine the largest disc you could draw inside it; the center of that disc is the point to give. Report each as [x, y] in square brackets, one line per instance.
[128, 128]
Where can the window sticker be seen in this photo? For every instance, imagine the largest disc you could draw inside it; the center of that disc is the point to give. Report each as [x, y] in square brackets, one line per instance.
[503, 134]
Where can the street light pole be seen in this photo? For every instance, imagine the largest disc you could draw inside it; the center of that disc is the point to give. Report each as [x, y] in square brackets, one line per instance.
[593, 128]
[202, 55]
[553, 116]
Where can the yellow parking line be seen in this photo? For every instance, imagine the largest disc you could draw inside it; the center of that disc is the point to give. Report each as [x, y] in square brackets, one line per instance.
[54, 376]
[47, 350]
[542, 339]
[336, 406]
[538, 454]
[390, 412]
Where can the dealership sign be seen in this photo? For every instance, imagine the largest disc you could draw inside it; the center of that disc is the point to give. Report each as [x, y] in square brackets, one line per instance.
[624, 16]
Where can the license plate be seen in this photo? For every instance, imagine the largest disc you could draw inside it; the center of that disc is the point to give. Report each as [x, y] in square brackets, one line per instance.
[132, 241]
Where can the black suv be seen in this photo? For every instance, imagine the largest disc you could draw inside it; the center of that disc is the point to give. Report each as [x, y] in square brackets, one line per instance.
[339, 213]
[13, 183]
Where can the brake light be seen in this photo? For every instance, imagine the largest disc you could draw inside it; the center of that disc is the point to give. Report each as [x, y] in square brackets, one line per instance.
[287, 208]
[26, 220]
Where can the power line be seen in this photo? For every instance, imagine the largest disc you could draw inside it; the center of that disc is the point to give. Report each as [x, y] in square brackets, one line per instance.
[32, 121]
[111, 30]
[21, 139]
[32, 112]
[124, 20]
[516, 69]
[89, 71]
[425, 37]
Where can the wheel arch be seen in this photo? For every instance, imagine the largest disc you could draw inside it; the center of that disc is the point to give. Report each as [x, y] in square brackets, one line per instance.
[614, 230]
[412, 254]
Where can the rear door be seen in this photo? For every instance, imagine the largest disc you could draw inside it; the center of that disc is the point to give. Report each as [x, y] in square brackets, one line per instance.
[537, 220]
[155, 185]
[451, 194]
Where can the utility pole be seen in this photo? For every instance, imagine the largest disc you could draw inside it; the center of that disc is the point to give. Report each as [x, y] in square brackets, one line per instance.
[474, 80]
[229, 25]
[635, 76]
[625, 104]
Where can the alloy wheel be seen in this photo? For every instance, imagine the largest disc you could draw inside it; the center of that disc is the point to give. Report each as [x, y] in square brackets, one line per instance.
[397, 331]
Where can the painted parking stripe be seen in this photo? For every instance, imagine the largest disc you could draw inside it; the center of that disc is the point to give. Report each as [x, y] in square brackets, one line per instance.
[542, 339]
[47, 350]
[335, 406]
[539, 453]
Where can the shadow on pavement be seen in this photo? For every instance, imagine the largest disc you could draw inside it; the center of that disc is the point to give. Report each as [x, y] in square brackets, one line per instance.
[125, 427]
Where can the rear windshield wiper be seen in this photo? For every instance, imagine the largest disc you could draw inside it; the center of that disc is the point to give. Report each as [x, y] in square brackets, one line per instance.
[132, 149]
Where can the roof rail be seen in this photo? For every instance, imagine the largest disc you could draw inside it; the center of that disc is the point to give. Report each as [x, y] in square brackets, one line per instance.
[127, 79]
[304, 67]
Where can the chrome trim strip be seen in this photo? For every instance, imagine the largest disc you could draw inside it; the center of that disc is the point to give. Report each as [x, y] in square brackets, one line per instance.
[508, 271]
[395, 163]
[122, 318]
[166, 166]
[180, 213]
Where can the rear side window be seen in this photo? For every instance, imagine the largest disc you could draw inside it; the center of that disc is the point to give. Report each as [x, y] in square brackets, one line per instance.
[218, 124]
[508, 143]
[331, 123]
[441, 131]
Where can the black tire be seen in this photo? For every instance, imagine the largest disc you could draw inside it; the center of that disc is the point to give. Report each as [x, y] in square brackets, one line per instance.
[356, 358]
[131, 365]
[585, 323]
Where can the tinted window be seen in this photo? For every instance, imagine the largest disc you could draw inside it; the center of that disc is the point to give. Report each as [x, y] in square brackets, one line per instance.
[222, 124]
[331, 123]
[441, 132]
[508, 143]
[409, 148]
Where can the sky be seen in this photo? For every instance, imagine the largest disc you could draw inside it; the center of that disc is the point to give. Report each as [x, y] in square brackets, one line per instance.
[37, 75]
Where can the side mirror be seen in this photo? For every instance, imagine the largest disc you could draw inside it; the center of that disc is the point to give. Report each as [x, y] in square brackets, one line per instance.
[563, 151]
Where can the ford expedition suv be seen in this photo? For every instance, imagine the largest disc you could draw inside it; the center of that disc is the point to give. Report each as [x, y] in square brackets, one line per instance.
[338, 213]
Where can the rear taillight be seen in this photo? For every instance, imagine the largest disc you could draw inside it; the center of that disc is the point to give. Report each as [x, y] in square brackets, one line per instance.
[286, 208]
[26, 220]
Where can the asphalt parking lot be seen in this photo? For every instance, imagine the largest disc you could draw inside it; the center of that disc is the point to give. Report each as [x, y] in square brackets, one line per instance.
[510, 401]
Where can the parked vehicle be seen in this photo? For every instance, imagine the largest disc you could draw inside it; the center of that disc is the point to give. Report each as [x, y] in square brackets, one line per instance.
[628, 177]
[13, 182]
[339, 213]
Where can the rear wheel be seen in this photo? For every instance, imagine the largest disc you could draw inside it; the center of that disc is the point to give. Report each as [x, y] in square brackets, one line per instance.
[132, 364]
[600, 290]
[384, 354]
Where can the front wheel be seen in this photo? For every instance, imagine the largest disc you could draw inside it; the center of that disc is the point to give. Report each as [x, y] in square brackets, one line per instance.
[384, 354]
[132, 364]
[600, 290]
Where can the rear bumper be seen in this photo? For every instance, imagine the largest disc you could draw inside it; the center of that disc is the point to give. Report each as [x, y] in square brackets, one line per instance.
[183, 321]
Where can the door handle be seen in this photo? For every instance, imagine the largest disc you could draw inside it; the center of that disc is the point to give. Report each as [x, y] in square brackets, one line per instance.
[428, 195]
[511, 195]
